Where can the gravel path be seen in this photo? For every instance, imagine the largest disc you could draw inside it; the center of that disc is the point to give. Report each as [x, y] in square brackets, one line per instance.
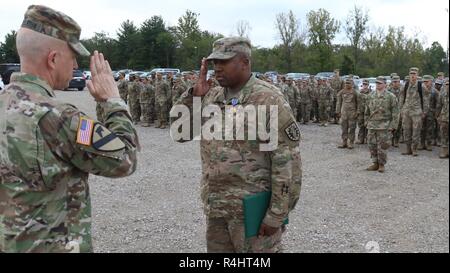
[342, 207]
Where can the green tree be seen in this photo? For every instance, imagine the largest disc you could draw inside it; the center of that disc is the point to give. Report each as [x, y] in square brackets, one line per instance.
[322, 29]
[103, 43]
[355, 28]
[127, 45]
[288, 30]
[8, 49]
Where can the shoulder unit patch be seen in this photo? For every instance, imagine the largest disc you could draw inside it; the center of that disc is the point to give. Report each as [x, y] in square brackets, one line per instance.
[106, 141]
[293, 132]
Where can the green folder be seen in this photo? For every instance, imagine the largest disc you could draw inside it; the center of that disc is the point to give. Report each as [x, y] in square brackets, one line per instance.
[255, 209]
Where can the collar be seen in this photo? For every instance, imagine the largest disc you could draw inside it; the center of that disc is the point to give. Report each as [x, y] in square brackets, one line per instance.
[19, 77]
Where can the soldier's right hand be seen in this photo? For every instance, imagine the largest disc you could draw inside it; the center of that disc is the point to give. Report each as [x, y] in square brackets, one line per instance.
[102, 86]
[201, 88]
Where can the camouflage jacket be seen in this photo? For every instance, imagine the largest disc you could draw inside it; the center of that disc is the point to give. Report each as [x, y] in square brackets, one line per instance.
[134, 92]
[305, 95]
[324, 94]
[363, 94]
[45, 203]
[123, 86]
[442, 106]
[162, 91]
[178, 89]
[292, 95]
[337, 84]
[234, 169]
[147, 94]
[381, 111]
[348, 102]
[410, 104]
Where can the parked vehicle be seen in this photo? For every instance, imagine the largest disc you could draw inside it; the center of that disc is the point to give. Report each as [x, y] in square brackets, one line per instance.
[87, 75]
[297, 76]
[324, 75]
[78, 81]
[6, 70]
[2, 85]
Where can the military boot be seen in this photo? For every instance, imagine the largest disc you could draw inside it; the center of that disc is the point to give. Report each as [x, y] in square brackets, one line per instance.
[373, 168]
[414, 151]
[421, 147]
[343, 145]
[429, 147]
[443, 153]
[350, 145]
[395, 143]
[163, 125]
[408, 150]
[381, 168]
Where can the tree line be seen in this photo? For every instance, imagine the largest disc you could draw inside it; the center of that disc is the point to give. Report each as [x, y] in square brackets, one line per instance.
[302, 48]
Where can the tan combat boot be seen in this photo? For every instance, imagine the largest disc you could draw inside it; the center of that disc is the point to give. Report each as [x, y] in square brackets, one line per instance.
[381, 168]
[343, 145]
[443, 153]
[408, 150]
[414, 151]
[163, 125]
[421, 147]
[429, 148]
[373, 168]
[350, 145]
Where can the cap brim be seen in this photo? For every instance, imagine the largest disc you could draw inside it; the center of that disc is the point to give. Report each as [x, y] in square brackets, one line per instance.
[80, 49]
[221, 56]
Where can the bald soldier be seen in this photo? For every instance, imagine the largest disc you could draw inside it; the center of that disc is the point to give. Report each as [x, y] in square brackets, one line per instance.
[235, 169]
[48, 148]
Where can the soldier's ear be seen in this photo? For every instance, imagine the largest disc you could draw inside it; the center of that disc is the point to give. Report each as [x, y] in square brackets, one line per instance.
[52, 59]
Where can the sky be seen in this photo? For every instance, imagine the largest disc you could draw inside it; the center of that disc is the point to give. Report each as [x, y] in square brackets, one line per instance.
[427, 18]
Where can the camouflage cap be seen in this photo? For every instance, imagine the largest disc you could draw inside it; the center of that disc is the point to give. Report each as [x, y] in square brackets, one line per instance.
[395, 78]
[55, 24]
[381, 79]
[441, 74]
[414, 70]
[428, 78]
[393, 75]
[365, 81]
[407, 78]
[227, 48]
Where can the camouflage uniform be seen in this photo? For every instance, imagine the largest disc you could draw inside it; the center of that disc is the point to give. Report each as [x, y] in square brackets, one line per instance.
[162, 94]
[381, 114]
[147, 100]
[315, 104]
[123, 89]
[336, 86]
[430, 101]
[362, 134]
[305, 103]
[324, 100]
[178, 89]
[348, 107]
[412, 111]
[235, 169]
[398, 134]
[100, 113]
[442, 117]
[134, 93]
[291, 92]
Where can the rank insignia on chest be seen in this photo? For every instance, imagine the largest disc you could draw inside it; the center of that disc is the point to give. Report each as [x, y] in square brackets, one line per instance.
[293, 132]
[85, 129]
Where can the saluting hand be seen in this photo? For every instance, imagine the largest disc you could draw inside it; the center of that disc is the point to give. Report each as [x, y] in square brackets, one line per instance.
[102, 86]
[201, 88]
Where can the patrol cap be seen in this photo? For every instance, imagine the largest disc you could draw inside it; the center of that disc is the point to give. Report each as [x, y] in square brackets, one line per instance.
[381, 79]
[414, 70]
[428, 78]
[227, 48]
[337, 71]
[395, 78]
[393, 75]
[407, 78]
[441, 74]
[55, 24]
[365, 81]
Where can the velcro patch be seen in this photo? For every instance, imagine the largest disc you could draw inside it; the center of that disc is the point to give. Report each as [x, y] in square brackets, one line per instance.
[85, 129]
[293, 132]
[105, 141]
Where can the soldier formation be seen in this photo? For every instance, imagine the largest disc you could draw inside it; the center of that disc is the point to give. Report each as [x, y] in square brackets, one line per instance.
[415, 114]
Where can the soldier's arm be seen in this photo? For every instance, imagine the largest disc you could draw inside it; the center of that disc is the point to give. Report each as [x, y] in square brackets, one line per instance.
[439, 105]
[338, 103]
[106, 150]
[367, 111]
[286, 169]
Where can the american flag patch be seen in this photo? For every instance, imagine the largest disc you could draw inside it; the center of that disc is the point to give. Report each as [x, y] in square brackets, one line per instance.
[85, 129]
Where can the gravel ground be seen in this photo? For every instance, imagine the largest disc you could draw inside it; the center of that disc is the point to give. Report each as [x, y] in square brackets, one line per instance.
[342, 209]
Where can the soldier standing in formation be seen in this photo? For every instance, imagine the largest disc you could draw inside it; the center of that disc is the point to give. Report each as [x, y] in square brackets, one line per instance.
[381, 117]
[324, 101]
[134, 93]
[123, 87]
[291, 93]
[337, 85]
[147, 100]
[430, 100]
[305, 101]
[347, 109]
[395, 88]
[363, 94]
[442, 117]
[162, 95]
[412, 109]
[50, 148]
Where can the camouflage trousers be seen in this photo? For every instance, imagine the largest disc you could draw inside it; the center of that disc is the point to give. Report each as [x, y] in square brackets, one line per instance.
[305, 111]
[412, 126]
[228, 236]
[315, 110]
[362, 134]
[426, 134]
[348, 126]
[147, 110]
[323, 111]
[100, 113]
[162, 113]
[398, 133]
[436, 132]
[444, 134]
[135, 109]
[124, 96]
[378, 141]
[332, 112]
